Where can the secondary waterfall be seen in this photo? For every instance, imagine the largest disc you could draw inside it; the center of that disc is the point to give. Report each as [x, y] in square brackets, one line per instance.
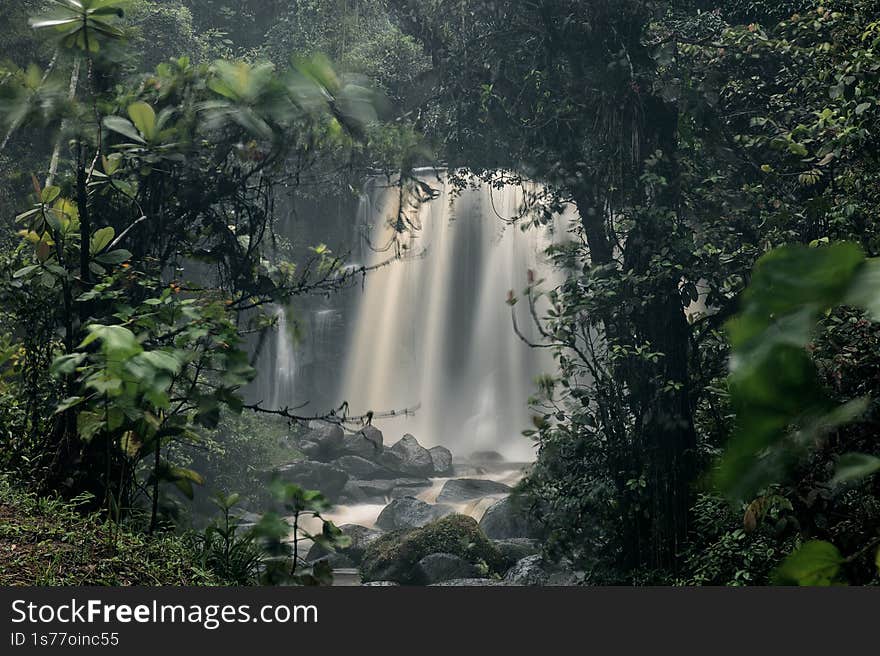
[434, 329]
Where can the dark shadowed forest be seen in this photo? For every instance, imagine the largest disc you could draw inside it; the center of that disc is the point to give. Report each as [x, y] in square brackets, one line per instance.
[459, 292]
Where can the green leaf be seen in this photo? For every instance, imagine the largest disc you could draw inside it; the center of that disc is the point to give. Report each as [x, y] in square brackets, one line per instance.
[162, 360]
[855, 467]
[119, 342]
[26, 271]
[101, 239]
[815, 563]
[144, 118]
[114, 257]
[50, 194]
[124, 127]
[67, 364]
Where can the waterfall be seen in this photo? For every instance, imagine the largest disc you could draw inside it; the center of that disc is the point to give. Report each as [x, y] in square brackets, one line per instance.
[284, 380]
[434, 330]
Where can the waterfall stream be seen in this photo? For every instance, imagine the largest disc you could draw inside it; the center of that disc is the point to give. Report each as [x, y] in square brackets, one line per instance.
[434, 330]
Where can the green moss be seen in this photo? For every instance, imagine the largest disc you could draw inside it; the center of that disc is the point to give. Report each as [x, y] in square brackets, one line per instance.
[394, 556]
[46, 542]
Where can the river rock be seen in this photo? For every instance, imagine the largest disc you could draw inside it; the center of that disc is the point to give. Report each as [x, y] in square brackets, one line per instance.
[441, 457]
[361, 537]
[313, 475]
[465, 489]
[361, 468]
[395, 556]
[383, 490]
[506, 519]
[366, 443]
[328, 437]
[534, 570]
[352, 494]
[409, 487]
[410, 458]
[336, 560]
[515, 549]
[444, 567]
[409, 513]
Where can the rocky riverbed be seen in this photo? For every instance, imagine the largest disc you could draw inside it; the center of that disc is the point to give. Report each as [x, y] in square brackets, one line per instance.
[419, 516]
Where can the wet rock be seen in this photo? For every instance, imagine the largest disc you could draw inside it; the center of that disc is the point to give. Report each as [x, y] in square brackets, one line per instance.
[507, 519]
[465, 489]
[352, 494]
[313, 475]
[515, 549]
[409, 457]
[408, 487]
[361, 537]
[395, 556]
[361, 468]
[441, 457]
[444, 567]
[366, 443]
[328, 439]
[408, 513]
[534, 570]
[383, 490]
[337, 560]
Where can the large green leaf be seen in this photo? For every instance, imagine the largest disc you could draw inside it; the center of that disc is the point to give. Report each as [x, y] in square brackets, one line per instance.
[855, 466]
[782, 410]
[815, 563]
[144, 118]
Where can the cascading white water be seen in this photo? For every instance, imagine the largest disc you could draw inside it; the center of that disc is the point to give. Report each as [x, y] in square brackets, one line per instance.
[283, 388]
[434, 330]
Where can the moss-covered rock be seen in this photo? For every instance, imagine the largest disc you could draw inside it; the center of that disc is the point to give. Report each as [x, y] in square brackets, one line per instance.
[395, 556]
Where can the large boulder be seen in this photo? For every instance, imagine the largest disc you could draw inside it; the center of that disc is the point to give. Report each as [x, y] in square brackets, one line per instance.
[506, 519]
[361, 468]
[409, 457]
[323, 442]
[408, 513]
[534, 570]
[360, 538]
[458, 490]
[441, 457]
[444, 567]
[396, 556]
[366, 443]
[313, 475]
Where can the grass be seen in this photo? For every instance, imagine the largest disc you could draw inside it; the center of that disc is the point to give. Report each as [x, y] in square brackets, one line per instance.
[46, 542]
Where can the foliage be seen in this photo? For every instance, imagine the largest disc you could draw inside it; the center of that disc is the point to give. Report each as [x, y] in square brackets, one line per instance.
[226, 549]
[47, 541]
[281, 535]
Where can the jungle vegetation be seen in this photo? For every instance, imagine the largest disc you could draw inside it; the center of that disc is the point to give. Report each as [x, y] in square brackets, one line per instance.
[714, 416]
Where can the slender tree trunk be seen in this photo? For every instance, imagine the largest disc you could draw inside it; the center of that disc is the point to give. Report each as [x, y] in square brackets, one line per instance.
[56, 152]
